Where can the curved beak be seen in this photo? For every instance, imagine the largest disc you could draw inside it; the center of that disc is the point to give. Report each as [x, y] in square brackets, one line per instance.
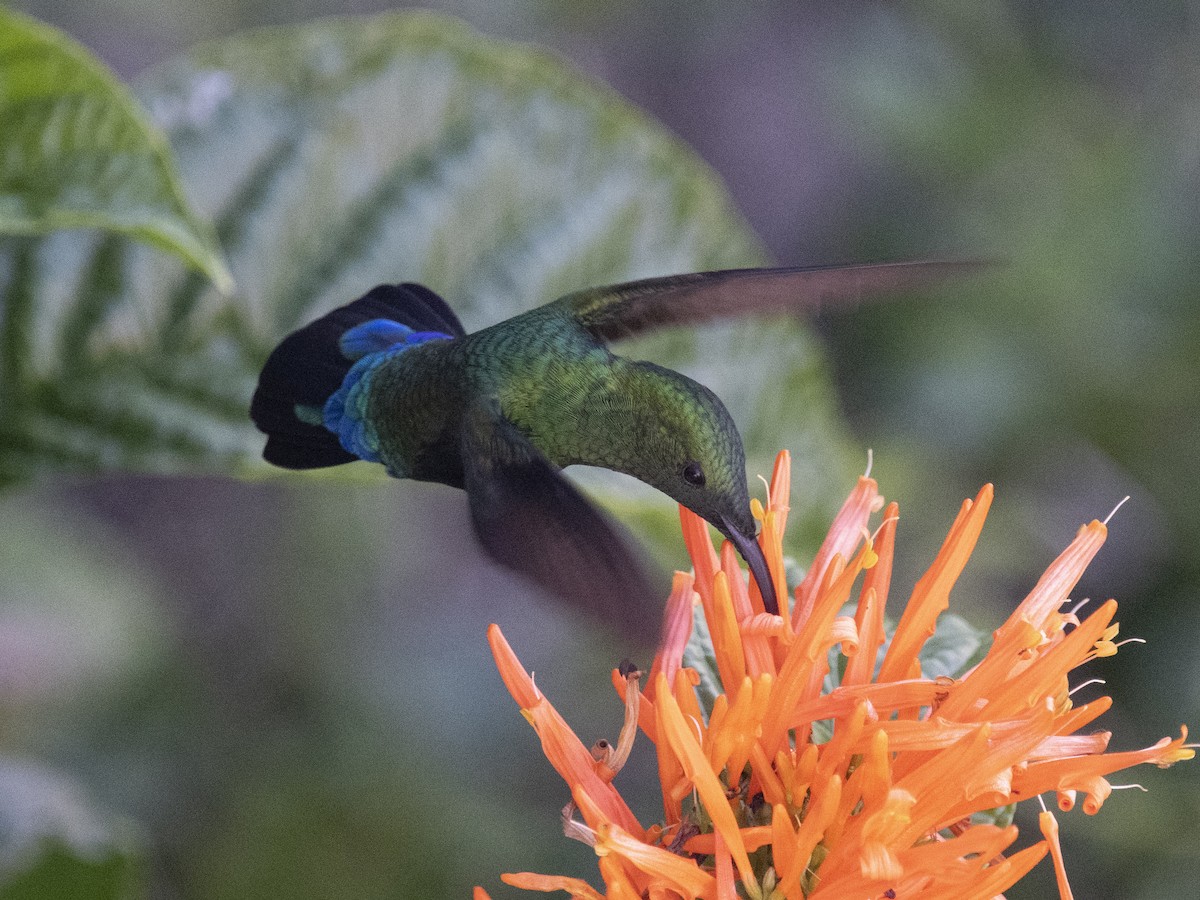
[753, 555]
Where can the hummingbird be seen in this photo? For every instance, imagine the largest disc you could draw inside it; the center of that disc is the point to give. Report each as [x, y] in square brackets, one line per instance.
[393, 378]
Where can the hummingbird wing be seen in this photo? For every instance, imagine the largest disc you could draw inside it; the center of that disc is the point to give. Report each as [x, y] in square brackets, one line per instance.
[531, 519]
[624, 310]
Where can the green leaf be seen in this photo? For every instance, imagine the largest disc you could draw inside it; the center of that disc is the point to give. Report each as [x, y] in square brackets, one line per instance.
[1001, 816]
[954, 648]
[341, 154]
[699, 654]
[79, 152]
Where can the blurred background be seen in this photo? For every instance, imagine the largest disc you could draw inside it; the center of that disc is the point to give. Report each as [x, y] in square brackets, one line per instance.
[210, 683]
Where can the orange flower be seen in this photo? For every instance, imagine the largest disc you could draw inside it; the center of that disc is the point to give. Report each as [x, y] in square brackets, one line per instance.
[794, 783]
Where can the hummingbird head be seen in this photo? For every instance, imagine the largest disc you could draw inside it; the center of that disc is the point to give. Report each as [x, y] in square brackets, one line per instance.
[687, 446]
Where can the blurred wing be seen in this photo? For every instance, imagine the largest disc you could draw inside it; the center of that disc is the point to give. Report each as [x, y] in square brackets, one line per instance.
[530, 518]
[624, 310]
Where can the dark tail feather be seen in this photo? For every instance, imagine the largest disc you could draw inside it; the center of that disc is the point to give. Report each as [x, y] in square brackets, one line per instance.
[308, 366]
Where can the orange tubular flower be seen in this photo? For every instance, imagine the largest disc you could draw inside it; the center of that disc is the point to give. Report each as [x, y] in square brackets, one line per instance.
[796, 783]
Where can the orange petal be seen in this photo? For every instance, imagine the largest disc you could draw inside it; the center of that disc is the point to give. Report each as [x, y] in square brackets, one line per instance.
[530, 881]
[1030, 624]
[806, 767]
[868, 616]
[618, 881]
[871, 842]
[836, 753]
[726, 639]
[1082, 716]
[879, 576]
[771, 541]
[1044, 674]
[931, 596]
[781, 488]
[844, 535]
[682, 739]
[1000, 877]
[756, 647]
[1098, 790]
[664, 868]
[871, 783]
[763, 777]
[700, 549]
[1059, 746]
[687, 700]
[1060, 577]
[750, 714]
[885, 698]
[516, 679]
[645, 704]
[677, 628]
[783, 842]
[937, 783]
[752, 838]
[565, 752]
[1049, 828]
[965, 865]
[824, 803]
[807, 659]
[1073, 773]
[726, 887]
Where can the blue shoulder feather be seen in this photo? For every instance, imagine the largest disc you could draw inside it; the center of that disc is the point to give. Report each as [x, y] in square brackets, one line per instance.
[371, 344]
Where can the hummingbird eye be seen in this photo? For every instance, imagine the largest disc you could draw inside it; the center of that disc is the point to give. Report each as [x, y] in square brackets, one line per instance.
[693, 474]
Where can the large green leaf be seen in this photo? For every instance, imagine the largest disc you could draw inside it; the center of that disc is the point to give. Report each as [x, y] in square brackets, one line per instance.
[79, 152]
[344, 153]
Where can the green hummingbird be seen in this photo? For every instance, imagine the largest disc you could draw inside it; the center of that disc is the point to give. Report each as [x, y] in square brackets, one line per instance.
[394, 378]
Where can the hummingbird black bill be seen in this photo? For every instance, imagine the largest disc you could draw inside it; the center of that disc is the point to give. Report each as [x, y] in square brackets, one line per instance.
[749, 550]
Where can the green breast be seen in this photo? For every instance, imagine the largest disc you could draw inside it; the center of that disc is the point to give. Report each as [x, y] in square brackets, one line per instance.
[550, 379]
[415, 406]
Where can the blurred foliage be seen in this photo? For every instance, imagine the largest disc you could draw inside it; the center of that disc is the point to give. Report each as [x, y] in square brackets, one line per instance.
[342, 154]
[307, 708]
[334, 156]
[1062, 138]
[54, 844]
[61, 873]
[79, 152]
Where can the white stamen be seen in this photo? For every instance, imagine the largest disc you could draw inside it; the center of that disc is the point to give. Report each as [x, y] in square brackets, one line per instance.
[875, 533]
[1080, 687]
[1131, 640]
[1080, 605]
[1114, 509]
[574, 829]
[870, 462]
[1127, 787]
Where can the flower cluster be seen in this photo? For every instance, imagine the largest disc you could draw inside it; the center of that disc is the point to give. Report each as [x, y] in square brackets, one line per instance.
[852, 775]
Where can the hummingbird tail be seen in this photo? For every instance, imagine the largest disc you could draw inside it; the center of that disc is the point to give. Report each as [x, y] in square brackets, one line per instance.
[312, 364]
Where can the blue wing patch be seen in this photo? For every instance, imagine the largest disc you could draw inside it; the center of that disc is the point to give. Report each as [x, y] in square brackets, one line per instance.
[371, 337]
[371, 344]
